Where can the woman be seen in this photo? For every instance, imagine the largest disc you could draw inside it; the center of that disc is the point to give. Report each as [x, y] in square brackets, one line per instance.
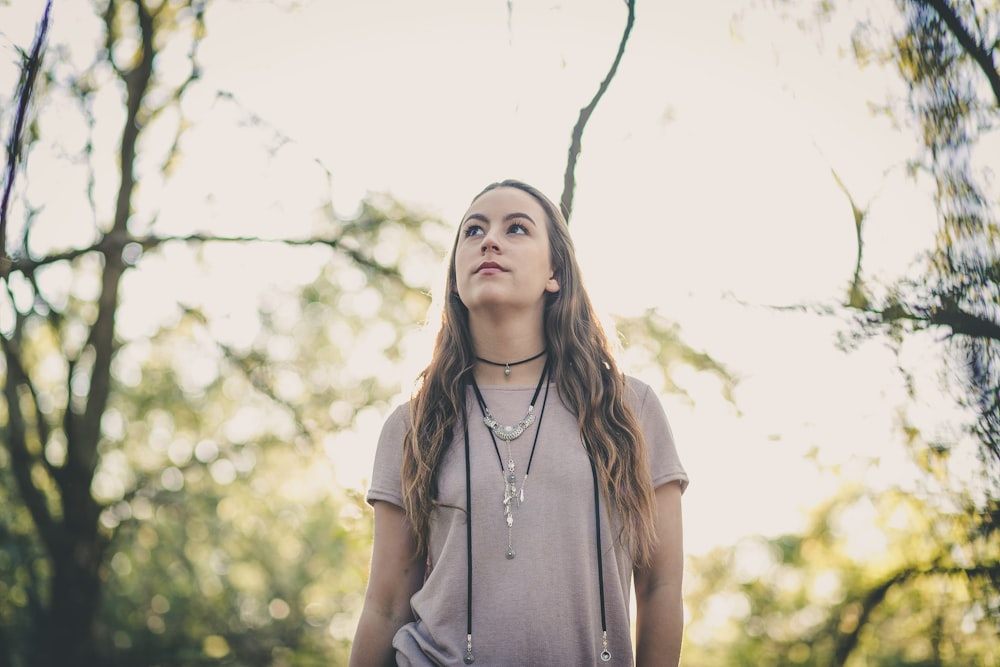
[522, 384]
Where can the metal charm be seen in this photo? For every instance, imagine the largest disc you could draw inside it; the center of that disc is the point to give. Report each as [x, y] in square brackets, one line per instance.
[469, 659]
[508, 433]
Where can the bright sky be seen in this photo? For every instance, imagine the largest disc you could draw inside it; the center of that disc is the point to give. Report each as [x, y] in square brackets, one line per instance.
[704, 184]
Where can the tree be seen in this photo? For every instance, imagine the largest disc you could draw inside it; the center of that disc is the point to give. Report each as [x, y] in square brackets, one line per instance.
[84, 404]
[946, 55]
[875, 579]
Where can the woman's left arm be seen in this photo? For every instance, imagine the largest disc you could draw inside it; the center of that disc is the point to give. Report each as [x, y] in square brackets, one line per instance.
[659, 610]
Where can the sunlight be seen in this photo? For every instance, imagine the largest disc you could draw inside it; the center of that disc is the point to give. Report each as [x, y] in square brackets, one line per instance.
[714, 191]
[697, 215]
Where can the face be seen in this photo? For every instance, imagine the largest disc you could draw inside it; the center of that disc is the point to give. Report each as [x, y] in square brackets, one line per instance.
[502, 256]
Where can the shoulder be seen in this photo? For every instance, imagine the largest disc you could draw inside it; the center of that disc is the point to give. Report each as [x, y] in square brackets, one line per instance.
[397, 422]
[394, 429]
[638, 393]
[387, 469]
[400, 414]
[647, 407]
[665, 464]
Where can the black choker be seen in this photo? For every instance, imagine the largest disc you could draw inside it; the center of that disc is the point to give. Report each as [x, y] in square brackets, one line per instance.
[506, 366]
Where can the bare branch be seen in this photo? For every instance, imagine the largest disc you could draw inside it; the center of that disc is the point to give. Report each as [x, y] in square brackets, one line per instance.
[82, 449]
[28, 76]
[857, 296]
[21, 459]
[847, 642]
[978, 51]
[27, 266]
[576, 138]
[965, 323]
[948, 314]
[337, 244]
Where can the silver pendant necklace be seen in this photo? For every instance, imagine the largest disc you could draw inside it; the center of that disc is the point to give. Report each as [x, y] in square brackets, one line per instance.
[513, 495]
[513, 431]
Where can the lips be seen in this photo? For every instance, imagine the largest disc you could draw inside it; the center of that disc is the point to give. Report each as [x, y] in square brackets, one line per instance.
[489, 267]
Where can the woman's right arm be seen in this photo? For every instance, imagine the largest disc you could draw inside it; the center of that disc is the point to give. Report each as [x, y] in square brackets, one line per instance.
[397, 572]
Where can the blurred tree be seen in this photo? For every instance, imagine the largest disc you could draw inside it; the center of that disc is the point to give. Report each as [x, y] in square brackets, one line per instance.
[120, 451]
[947, 53]
[656, 346]
[877, 579]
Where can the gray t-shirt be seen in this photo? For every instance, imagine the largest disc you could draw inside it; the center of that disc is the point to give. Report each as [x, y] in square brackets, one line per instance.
[543, 606]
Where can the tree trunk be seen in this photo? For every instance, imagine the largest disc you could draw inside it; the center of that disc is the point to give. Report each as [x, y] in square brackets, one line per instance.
[66, 636]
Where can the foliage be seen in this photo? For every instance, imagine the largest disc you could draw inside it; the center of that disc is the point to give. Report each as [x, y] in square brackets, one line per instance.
[654, 342]
[878, 579]
[931, 598]
[947, 54]
[165, 472]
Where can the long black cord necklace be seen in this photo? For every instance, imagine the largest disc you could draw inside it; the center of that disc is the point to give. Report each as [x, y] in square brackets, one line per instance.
[511, 496]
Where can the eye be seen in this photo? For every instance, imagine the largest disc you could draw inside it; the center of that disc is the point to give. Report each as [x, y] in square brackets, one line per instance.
[517, 228]
[472, 230]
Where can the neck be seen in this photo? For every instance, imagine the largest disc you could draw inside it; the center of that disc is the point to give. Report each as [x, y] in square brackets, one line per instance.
[508, 342]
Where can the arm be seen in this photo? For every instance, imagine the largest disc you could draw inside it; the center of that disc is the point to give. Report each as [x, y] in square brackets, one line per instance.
[659, 611]
[397, 572]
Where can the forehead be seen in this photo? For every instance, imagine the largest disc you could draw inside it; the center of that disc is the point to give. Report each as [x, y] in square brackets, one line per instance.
[499, 202]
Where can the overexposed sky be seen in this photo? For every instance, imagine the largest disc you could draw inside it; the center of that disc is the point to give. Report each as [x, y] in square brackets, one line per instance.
[704, 190]
[704, 182]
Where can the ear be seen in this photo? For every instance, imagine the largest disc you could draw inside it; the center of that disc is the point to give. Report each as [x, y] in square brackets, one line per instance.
[552, 285]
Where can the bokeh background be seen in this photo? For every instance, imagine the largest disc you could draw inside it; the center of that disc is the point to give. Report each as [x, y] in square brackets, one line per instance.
[224, 232]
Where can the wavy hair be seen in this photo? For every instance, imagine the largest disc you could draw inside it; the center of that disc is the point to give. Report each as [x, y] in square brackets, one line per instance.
[586, 375]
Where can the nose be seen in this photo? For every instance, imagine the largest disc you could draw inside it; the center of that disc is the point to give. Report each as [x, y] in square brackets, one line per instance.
[490, 243]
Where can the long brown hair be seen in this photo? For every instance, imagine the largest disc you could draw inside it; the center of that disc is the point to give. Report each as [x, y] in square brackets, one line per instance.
[586, 376]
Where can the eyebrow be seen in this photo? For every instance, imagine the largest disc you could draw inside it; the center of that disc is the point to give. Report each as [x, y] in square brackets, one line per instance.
[507, 218]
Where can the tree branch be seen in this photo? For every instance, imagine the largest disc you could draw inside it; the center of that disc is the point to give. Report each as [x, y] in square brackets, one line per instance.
[82, 442]
[847, 642]
[27, 265]
[576, 138]
[337, 244]
[960, 322]
[978, 51]
[856, 297]
[14, 147]
[965, 323]
[21, 458]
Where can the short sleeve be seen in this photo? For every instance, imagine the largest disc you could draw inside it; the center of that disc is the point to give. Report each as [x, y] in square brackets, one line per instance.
[664, 462]
[387, 472]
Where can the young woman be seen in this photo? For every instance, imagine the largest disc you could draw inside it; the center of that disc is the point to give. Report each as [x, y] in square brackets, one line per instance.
[528, 479]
